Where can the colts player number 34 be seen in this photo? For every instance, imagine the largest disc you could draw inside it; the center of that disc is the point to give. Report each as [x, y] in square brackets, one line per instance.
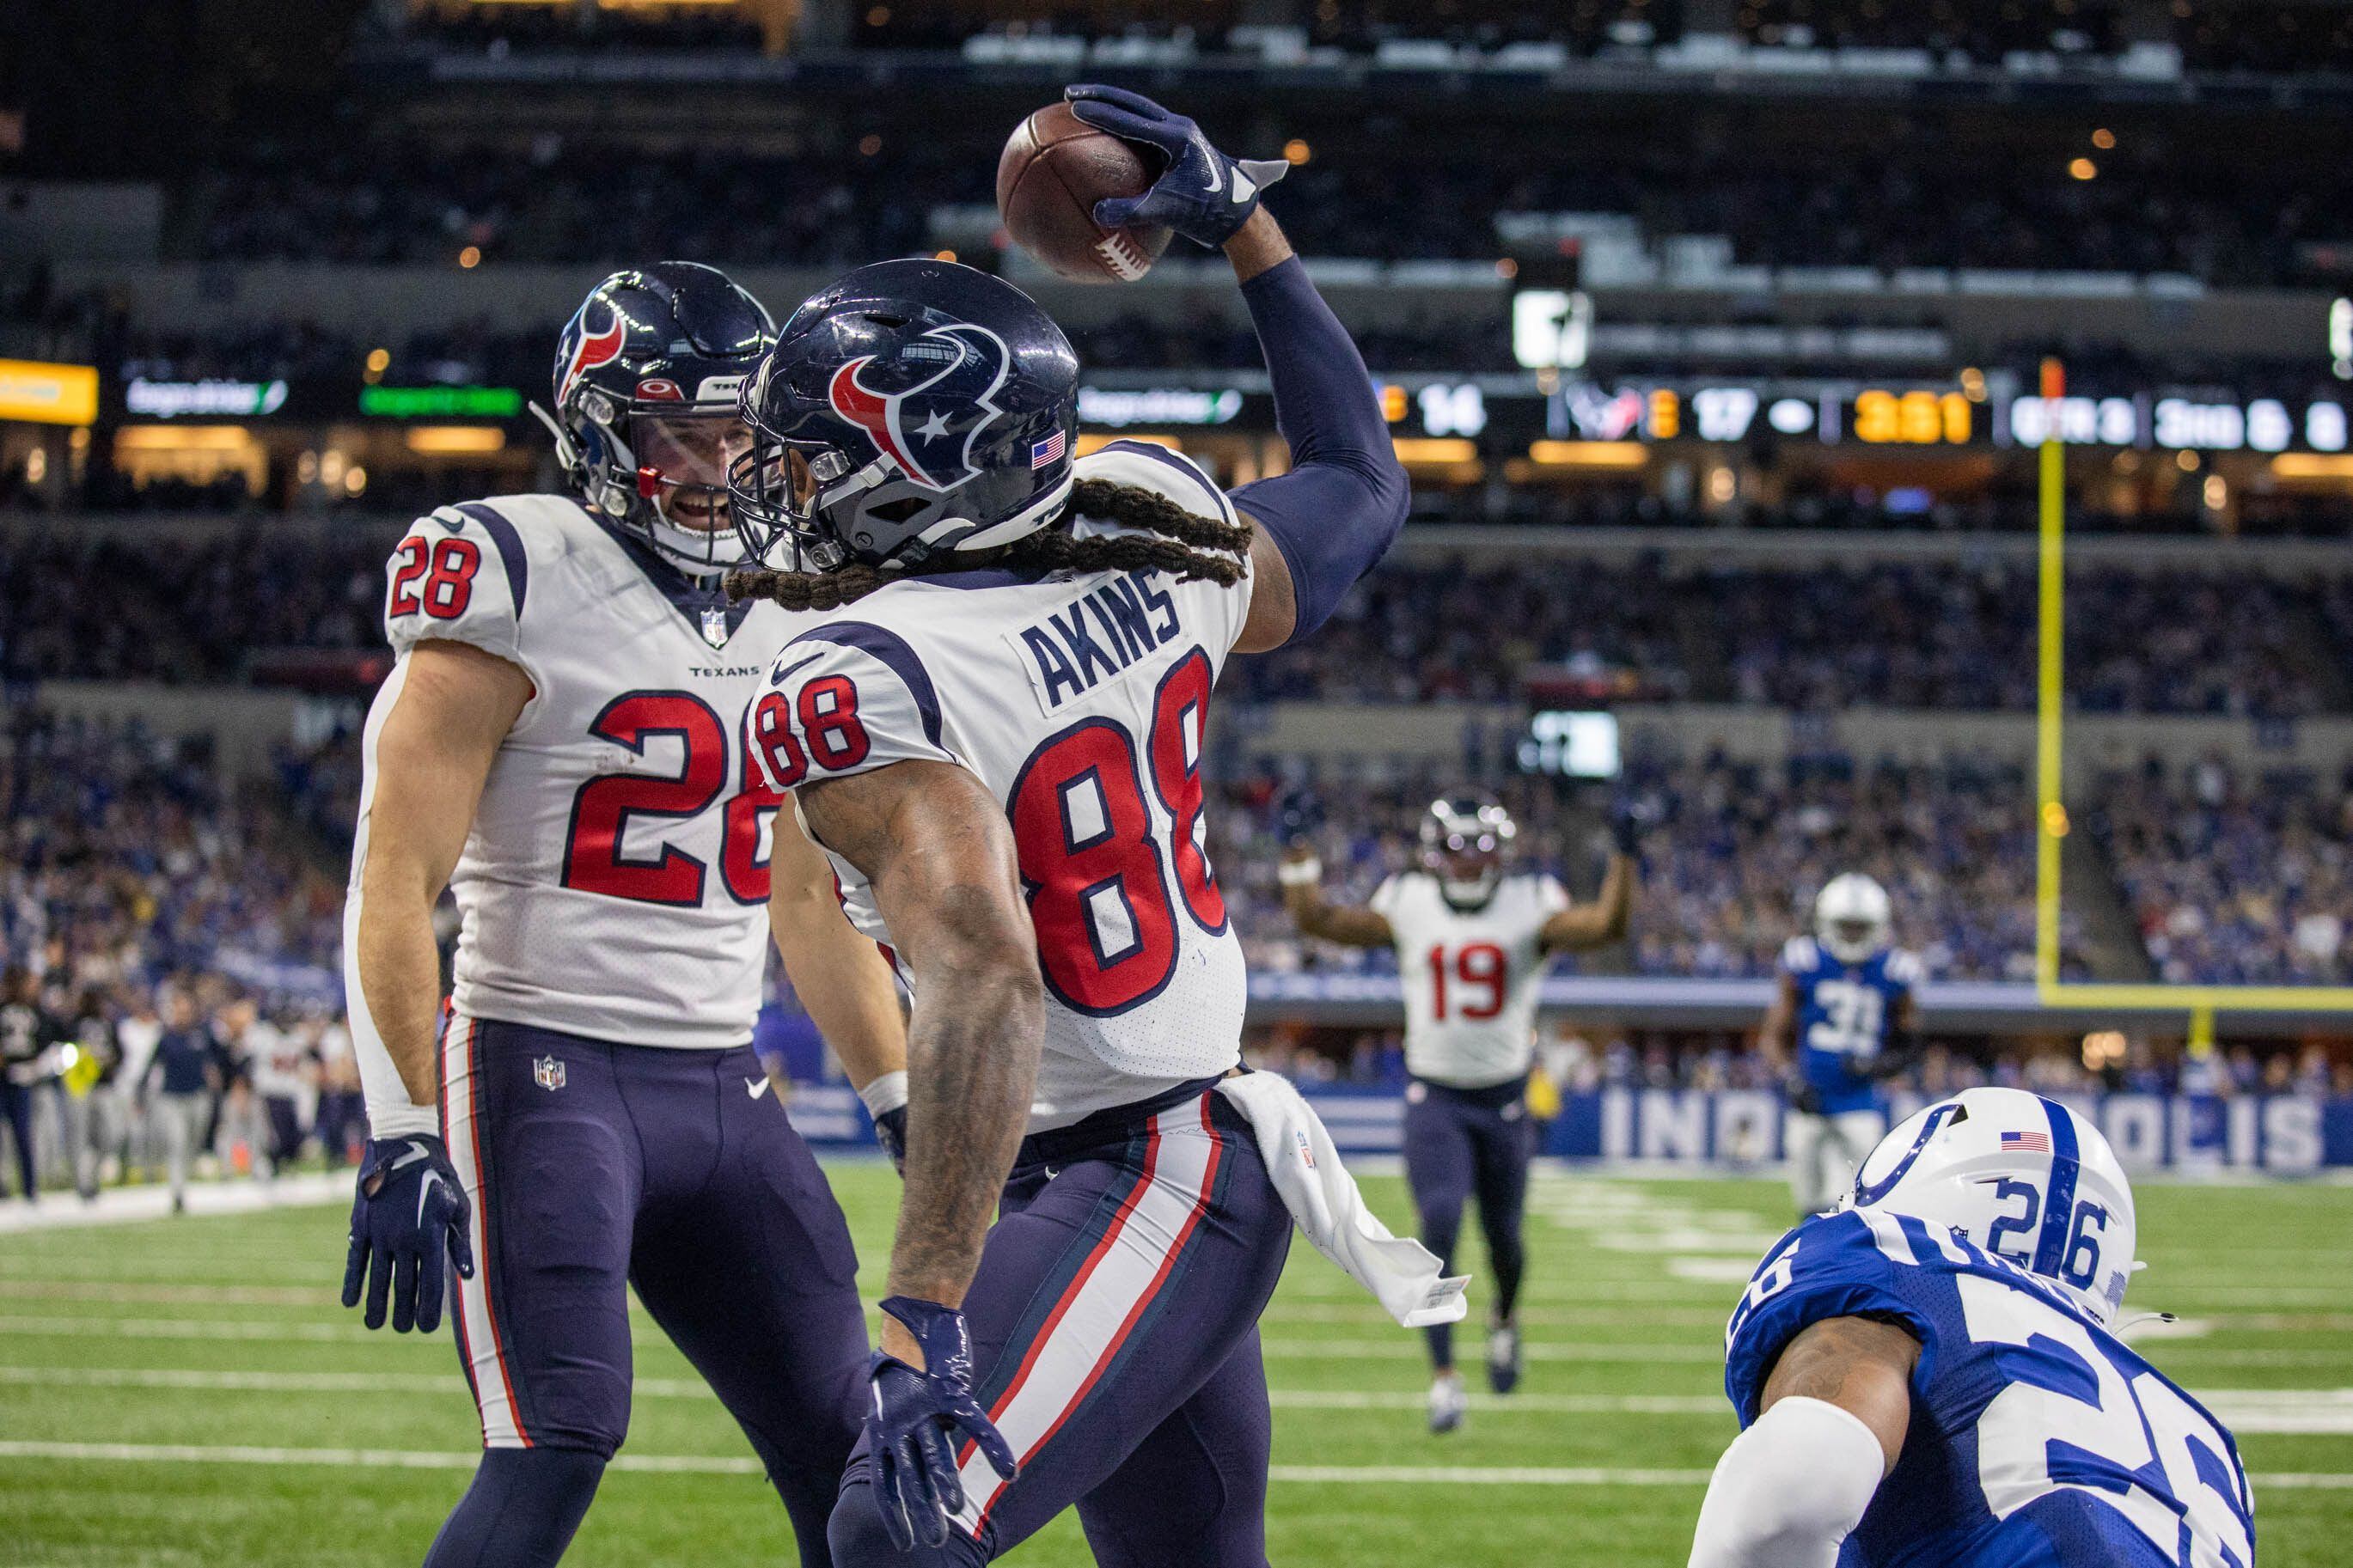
[559, 743]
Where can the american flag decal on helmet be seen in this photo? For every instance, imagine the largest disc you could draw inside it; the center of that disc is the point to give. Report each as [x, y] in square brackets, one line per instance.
[2027, 1142]
[1044, 452]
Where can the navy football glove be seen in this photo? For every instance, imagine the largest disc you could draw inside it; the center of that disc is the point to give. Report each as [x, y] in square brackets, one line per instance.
[890, 1132]
[914, 1421]
[1201, 194]
[1804, 1097]
[408, 1214]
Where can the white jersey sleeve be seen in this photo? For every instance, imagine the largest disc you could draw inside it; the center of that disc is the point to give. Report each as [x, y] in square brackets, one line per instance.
[1904, 971]
[845, 699]
[463, 574]
[1178, 479]
[1385, 900]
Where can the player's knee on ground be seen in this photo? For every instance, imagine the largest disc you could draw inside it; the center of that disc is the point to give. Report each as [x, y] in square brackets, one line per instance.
[857, 1539]
[522, 1509]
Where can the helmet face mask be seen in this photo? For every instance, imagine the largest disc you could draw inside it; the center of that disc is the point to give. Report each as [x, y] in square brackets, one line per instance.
[1464, 841]
[649, 373]
[1853, 919]
[2023, 1178]
[912, 412]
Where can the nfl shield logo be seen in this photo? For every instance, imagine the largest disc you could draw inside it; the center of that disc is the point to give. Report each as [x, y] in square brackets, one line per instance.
[714, 627]
[548, 1073]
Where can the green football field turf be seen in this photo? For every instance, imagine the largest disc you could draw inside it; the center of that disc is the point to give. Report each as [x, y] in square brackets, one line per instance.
[188, 1393]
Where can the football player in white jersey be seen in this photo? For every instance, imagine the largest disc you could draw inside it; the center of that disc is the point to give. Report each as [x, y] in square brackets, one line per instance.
[998, 737]
[1471, 934]
[559, 742]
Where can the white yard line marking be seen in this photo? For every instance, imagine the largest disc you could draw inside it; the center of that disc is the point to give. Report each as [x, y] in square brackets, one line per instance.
[151, 1294]
[723, 1465]
[131, 1205]
[205, 1380]
[206, 1329]
[2328, 1412]
[1403, 1346]
[212, 1381]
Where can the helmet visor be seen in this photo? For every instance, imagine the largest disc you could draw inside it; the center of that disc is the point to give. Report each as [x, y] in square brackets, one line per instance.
[682, 465]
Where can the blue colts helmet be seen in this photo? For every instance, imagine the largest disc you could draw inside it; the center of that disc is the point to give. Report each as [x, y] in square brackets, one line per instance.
[912, 412]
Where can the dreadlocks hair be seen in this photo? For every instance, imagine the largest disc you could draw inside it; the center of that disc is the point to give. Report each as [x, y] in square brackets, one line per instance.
[1164, 538]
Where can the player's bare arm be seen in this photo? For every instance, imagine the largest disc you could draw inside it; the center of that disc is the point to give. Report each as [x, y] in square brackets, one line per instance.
[1598, 923]
[433, 756]
[1832, 1423]
[1859, 1364]
[1301, 876]
[839, 976]
[936, 848]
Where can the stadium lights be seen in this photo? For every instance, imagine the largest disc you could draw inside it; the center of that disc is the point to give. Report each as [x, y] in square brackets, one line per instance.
[182, 439]
[1429, 451]
[1097, 443]
[441, 440]
[2313, 466]
[470, 258]
[1589, 454]
[44, 394]
[1296, 152]
[2083, 169]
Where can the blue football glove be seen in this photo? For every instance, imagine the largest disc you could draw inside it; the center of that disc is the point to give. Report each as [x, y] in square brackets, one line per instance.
[409, 1214]
[890, 1132]
[1201, 194]
[913, 1423]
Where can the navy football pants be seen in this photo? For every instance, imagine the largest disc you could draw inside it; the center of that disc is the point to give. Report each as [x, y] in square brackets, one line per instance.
[594, 1166]
[1459, 1143]
[1114, 1327]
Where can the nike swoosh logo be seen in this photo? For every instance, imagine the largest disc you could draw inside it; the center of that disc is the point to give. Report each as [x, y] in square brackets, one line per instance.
[1217, 165]
[778, 678]
[452, 527]
[755, 1087]
[424, 1191]
[416, 1152]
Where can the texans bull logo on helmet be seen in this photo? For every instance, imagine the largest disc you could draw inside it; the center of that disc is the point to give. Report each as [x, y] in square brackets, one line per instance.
[593, 351]
[928, 429]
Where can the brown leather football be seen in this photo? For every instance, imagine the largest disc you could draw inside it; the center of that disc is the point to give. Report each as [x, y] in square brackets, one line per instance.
[1055, 168]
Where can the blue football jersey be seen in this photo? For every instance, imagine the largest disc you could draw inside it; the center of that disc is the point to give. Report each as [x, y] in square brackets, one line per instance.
[1844, 1011]
[2038, 1439]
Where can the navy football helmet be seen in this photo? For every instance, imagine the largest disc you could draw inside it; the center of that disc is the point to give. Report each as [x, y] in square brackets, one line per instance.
[1463, 840]
[648, 377]
[912, 411]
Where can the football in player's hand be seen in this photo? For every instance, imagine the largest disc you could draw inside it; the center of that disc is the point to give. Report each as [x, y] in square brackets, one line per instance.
[1055, 168]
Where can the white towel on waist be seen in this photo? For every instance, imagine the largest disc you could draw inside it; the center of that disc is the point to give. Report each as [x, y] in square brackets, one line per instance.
[1400, 1272]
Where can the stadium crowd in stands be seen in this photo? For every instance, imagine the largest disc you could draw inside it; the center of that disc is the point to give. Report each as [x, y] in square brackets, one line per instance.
[1423, 629]
[874, 192]
[2234, 879]
[168, 955]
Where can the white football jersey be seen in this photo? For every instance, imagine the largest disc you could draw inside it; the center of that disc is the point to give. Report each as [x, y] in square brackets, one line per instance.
[1470, 976]
[1080, 700]
[615, 883]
